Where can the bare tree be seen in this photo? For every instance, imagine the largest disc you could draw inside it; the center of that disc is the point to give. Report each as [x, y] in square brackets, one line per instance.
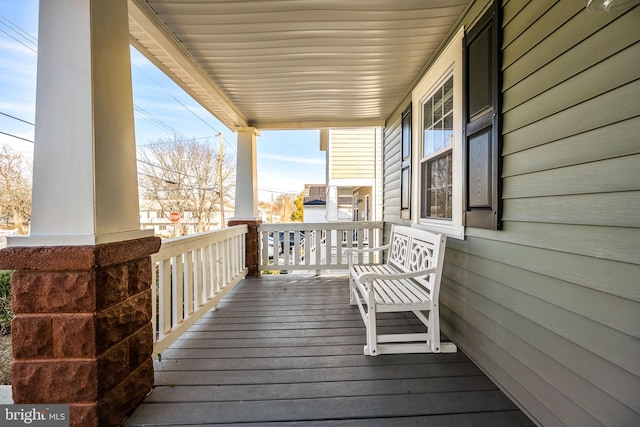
[284, 205]
[15, 189]
[184, 176]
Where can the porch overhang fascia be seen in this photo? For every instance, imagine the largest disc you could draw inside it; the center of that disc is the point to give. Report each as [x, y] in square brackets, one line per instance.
[179, 66]
[317, 124]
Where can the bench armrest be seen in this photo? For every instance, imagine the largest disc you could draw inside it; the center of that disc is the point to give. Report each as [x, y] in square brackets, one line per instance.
[363, 277]
[353, 251]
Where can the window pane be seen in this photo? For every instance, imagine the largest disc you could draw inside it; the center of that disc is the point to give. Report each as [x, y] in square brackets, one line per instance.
[448, 94]
[437, 107]
[405, 196]
[429, 141]
[406, 136]
[437, 102]
[438, 120]
[428, 114]
[448, 130]
[439, 136]
[437, 188]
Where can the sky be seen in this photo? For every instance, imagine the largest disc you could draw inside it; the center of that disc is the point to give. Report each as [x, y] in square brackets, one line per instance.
[286, 159]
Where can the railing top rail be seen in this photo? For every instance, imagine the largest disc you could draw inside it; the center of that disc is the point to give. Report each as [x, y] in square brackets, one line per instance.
[179, 245]
[303, 226]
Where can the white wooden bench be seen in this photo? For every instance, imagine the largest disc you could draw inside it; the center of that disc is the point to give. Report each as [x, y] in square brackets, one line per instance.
[409, 280]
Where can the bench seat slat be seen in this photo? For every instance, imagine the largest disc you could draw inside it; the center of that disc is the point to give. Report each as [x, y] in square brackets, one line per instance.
[399, 292]
[394, 291]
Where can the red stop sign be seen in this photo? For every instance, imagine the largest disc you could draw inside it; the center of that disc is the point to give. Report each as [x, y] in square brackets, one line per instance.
[174, 217]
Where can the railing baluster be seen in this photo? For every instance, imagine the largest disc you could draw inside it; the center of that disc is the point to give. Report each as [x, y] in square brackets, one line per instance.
[206, 289]
[235, 255]
[165, 297]
[188, 284]
[215, 275]
[154, 298]
[307, 248]
[176, 297]
[317, 243]
[329, 246]
[224, 247]
[361, 236]
[196, 284]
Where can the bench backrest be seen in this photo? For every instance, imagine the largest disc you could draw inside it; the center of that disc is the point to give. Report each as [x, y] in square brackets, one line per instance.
[413, 249]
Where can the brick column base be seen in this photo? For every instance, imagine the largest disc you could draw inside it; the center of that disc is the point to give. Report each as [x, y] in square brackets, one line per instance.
[82, 331]
[251, 245]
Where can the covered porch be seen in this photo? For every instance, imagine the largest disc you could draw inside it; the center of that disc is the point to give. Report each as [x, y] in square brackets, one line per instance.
[287, 349]
[540, 273]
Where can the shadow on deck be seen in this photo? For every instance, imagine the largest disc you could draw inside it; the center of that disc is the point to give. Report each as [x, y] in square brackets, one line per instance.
[289, 350]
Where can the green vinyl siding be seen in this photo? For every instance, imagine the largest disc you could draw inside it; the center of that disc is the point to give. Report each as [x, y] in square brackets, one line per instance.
[549, 307]
[392, 160]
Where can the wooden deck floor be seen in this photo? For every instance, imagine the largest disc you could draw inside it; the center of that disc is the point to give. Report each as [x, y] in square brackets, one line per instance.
[288, 350]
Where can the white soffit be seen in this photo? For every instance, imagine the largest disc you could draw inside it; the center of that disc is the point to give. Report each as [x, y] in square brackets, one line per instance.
[287, 64]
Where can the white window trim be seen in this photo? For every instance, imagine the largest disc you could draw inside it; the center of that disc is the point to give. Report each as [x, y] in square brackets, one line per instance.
[448, 63]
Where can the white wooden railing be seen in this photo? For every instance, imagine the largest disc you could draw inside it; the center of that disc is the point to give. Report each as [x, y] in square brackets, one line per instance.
[192, 274]
[314, 246]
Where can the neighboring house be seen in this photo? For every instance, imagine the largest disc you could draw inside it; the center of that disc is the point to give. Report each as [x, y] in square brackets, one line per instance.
[525, 152]
[354, 179]
[6, 233]
[152, 217]
[315, 203]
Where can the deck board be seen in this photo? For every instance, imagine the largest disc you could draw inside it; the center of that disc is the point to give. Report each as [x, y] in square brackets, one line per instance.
[288, 349]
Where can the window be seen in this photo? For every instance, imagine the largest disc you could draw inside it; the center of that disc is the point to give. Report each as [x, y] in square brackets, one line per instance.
[438, 143]
[456, 135]
[356, 207]
[367, 208]
[436, 162]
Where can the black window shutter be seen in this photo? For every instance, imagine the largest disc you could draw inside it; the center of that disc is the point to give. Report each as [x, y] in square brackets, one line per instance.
[405, 178]
[482, 118]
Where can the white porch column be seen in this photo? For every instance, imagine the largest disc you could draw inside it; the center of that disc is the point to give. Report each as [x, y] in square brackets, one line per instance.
[332, 203]
[247, 176]
[85, 186]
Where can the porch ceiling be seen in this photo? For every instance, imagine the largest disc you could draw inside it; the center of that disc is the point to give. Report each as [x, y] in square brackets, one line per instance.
[286, 64]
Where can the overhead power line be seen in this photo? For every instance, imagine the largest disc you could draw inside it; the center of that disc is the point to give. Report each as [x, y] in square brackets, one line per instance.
[271, 190]
[206, 123]
[16, 136]
[17, 118]
[20, 41]
[16, 28]
[157, 122]
[166, 169]
[27, 38]
[183, 185]
[21, 36]
[155, 144]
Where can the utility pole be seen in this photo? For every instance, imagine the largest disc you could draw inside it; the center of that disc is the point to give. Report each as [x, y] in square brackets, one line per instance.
[271, 211]
[220, 177]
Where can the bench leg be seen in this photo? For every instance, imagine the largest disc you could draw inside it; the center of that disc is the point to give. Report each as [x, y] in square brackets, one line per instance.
[352, 292]
[434, 329]
[371, 348]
